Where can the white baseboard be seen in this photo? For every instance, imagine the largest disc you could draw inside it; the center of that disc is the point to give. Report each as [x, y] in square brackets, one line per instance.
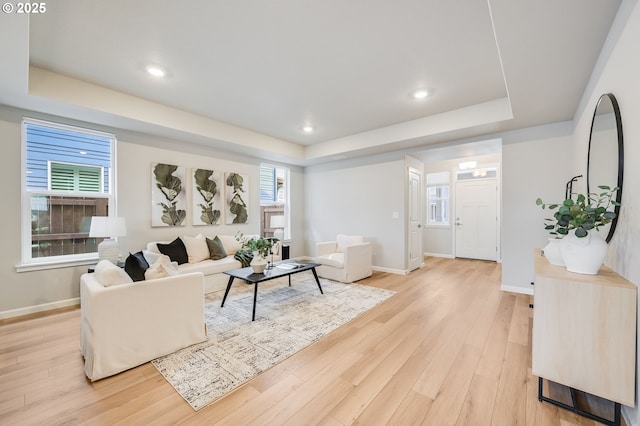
[390, 270]
[627, 416]
[446, 256]
[375, 268]
[516, 289]
[39, 308]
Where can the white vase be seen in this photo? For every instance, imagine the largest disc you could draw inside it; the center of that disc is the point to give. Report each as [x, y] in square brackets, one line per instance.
[553, 253]
[258, 263]
[584, 255]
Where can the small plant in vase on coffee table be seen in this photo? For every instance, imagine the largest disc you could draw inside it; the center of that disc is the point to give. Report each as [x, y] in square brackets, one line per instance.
[259, 247]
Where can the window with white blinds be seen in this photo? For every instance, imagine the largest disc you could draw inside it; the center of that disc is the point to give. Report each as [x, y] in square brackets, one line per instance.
[274, 192]
[68, 179]
[267, 184]
[274, 183]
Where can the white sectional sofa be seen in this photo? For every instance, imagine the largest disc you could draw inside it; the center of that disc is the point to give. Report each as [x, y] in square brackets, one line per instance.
[214, 279]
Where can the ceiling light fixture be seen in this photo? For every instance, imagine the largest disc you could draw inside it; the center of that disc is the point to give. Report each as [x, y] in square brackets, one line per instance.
[156, 71]
[465, 165]
[420, 94]
[307, 129]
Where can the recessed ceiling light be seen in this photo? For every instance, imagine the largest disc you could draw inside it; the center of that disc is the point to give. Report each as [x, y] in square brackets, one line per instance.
[156, 71]
[307, 129]
[420, 94]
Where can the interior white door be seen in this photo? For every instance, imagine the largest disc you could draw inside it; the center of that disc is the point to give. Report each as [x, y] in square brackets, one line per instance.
[476, 219]
[414, 207]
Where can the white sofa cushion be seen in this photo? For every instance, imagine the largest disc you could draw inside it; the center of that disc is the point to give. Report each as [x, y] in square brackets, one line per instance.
[153, 256]
[347, 240]
[197, 249]
[336, 260]
[209, 267]
[161, 268]
[107, 274]
[230, 244]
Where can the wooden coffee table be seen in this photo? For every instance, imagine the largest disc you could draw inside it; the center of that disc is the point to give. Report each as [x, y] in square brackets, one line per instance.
[279, 270]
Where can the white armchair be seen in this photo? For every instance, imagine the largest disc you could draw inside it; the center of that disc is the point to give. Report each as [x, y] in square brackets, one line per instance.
[123, 326]
[347, 259]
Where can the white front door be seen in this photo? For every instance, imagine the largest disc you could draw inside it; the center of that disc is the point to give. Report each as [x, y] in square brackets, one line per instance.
[414, 207]
[476, 219]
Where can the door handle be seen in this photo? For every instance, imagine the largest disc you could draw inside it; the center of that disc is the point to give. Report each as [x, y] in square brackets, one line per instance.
[458, 223]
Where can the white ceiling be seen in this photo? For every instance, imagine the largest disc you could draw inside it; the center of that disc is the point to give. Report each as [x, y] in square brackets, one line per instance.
[247, 75]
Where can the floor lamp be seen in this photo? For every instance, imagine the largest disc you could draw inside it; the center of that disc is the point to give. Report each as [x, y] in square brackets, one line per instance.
[108, 228]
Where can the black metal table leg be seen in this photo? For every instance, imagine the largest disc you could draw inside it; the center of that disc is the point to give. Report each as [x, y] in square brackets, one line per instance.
[540, 389]
[575, 409]
[315, 274]
[289, 280]
[226, 292]
[255, 296]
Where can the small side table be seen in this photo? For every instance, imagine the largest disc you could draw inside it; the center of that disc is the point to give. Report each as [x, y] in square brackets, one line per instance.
[92, 268]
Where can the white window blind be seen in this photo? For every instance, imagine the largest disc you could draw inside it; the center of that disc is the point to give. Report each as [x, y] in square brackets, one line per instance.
[267, 184]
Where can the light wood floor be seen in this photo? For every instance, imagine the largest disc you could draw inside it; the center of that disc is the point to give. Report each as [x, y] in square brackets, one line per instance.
[449, 348]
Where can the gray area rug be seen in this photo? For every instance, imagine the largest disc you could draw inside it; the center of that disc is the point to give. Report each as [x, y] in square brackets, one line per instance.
[287, 320]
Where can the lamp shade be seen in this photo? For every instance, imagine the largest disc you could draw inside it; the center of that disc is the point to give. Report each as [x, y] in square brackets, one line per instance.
[107, 227]
[277, 222]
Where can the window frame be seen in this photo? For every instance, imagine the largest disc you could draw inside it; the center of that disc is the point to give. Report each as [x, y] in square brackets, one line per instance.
[428, 219]
[287, 203]
[28, 263]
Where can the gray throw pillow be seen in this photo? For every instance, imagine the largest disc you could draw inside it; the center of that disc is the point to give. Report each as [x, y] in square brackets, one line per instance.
[216, 249]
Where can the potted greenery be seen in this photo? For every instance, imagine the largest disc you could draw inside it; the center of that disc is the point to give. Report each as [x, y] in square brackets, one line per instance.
[259, 247]
[582, 251]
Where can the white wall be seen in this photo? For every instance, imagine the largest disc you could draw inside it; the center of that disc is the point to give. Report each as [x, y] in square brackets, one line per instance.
[134, 196]
[31, 291]
[620, 76]
[359, 197]
[535, 163]
[33, 288]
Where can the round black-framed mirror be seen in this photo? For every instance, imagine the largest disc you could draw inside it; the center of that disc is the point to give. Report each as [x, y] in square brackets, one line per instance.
[605, 158]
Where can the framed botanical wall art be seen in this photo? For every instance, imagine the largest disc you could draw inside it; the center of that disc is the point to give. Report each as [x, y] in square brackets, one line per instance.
[236, 196]
[206, 197]
[168, 195]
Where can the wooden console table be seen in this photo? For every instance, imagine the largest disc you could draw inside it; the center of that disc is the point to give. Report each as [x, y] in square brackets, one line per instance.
[584, 334]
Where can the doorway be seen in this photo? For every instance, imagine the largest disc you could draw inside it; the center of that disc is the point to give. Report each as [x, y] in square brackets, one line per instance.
[414, 218]
[476, 216]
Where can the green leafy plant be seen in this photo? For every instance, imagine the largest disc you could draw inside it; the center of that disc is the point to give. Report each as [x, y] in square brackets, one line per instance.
[207, 189]
[171, 186]
[585, 213]
[259, 245]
